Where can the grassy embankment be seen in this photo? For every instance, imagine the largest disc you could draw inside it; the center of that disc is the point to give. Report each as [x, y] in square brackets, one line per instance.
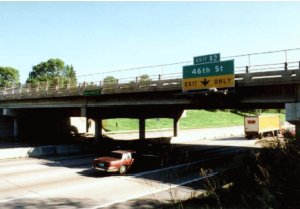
[193, 119]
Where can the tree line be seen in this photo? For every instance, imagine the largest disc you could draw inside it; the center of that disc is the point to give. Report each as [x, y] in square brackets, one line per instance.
[51, 73]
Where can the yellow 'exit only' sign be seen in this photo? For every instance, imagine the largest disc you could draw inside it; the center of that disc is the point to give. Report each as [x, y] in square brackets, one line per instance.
[224, 81]
[214, 74]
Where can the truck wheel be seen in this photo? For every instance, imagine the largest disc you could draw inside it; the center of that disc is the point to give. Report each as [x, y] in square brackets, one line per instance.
[122, 169]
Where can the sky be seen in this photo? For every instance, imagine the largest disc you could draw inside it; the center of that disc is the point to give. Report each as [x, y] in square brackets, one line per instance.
[97, 37]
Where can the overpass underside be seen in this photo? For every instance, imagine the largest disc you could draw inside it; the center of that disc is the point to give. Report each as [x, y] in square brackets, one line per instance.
[250, 93]
[54, 125]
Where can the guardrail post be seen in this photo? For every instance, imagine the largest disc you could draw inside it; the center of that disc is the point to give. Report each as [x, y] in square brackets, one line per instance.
[249, 59]
[285, 66]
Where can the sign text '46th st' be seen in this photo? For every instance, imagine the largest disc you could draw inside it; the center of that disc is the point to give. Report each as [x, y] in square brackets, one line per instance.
[208, 75]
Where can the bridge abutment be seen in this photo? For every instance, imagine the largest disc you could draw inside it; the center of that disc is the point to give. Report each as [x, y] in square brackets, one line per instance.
[6, 127]
[292, 112]
[9, 123]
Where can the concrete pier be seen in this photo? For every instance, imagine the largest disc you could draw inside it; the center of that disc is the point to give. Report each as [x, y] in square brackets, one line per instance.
[292, 111]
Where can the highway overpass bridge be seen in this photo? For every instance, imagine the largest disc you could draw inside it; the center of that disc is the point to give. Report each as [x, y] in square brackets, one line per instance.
[37, 109]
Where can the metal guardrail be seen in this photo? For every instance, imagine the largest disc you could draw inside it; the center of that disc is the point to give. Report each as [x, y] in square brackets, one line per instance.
[160, 81]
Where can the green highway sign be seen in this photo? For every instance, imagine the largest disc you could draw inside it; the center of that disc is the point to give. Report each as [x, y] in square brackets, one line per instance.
[208, 75]
[207, 58]
[94, 92]
[209, 69]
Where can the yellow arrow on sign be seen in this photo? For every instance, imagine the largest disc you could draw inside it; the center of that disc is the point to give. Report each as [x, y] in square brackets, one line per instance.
[224, 81]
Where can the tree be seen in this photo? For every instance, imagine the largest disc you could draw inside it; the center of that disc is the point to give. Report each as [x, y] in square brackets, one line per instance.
[54, 71]
[110, 80]
[144, 78]
[9, 76]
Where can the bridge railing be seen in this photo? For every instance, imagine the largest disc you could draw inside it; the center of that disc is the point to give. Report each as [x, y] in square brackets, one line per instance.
[132, 84]
[87, 89]
[268, 67]
[166, 77]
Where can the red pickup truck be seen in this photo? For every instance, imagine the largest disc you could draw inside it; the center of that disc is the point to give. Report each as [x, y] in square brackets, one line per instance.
[118, 161]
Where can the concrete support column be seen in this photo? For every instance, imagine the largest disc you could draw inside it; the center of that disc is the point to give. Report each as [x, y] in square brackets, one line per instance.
[142, 128]
[175, 126]
[83, 113]
[292, 115]
[98, 128]
[86, 125]
[16, 128]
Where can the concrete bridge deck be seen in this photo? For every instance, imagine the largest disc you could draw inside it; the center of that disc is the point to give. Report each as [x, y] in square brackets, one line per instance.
[281, 77]
[152, 98]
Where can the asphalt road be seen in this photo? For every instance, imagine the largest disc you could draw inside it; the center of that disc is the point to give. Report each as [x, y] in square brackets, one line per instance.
[69, 182]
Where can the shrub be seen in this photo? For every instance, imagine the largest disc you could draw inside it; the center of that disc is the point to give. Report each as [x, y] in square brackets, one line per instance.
[265, 179]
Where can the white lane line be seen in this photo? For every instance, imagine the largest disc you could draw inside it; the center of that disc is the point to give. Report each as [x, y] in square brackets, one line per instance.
[170, 186]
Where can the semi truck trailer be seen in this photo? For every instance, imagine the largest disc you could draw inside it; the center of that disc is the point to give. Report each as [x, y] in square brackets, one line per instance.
[261, 125]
